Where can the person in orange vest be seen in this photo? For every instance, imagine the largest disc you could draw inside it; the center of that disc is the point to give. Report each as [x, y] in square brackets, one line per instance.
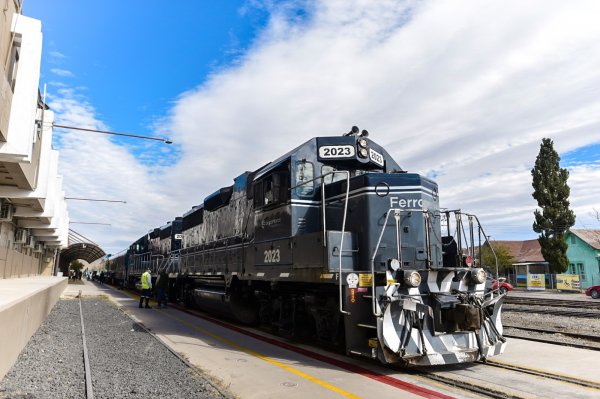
[146, 288]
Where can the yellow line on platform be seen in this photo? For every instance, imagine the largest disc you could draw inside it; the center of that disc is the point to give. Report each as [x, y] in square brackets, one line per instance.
[258, 355]
[265, 358]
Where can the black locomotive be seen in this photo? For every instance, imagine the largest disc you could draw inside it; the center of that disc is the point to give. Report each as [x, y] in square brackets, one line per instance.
[334, 241]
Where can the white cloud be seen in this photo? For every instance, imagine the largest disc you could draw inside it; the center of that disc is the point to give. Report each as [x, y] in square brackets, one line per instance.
[464, 90]
[62, 72]
[95, 167]
[56, 54]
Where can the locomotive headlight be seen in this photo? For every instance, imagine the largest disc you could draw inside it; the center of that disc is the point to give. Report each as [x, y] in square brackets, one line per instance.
[363, 143]
[412, 279]
[394, 264]
[478, 276]
[363, 152]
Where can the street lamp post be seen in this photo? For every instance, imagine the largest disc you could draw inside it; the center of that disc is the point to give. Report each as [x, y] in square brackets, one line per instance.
[137, 136]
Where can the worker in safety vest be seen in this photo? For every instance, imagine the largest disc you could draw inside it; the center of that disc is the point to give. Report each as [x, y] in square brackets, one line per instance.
[146, 288]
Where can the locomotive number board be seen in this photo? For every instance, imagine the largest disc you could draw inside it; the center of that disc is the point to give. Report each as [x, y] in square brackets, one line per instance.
[376, 157]
[337, 151]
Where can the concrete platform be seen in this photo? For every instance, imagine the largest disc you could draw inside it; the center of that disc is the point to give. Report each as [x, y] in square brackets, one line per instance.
[254, 369]
[24, 305]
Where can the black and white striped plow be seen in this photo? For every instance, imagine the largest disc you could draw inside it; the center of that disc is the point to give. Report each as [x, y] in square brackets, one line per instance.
[408, 334]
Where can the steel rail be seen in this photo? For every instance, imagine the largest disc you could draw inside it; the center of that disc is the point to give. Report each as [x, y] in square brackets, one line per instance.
[556, 312]
[561, 378]
[484, 391]
[89, 391]
[551, 342]
[497, 393]
[559, 303]
[566, 333]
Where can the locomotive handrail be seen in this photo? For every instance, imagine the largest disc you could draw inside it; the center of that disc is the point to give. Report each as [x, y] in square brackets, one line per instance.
[323, 207]
[480, 228]
[427, 217]
[376, 313]
[170, 261]
[138, 258]
[460, 233]
[322, 178]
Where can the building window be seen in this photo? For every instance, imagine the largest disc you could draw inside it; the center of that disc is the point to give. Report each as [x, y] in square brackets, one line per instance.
[573, 240]
[571, 269]
[13, 66]
[581, 271]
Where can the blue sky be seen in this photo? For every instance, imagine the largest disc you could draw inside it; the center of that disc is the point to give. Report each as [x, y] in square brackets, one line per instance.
[132, 59]
[461, 90]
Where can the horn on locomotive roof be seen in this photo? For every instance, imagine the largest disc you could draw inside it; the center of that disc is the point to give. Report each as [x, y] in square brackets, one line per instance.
[352, 131]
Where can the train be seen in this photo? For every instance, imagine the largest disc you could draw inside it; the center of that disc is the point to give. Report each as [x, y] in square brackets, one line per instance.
[334, 242]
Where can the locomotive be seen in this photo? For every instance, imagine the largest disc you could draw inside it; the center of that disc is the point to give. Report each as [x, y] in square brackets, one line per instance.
[334, 241]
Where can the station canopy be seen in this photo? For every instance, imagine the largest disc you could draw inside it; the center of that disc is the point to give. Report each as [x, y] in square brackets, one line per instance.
[86, 251]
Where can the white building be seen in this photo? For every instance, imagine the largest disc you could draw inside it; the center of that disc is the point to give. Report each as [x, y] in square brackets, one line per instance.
[34, 222]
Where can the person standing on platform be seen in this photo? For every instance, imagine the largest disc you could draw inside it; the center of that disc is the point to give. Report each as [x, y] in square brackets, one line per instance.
[162, 285]
[146, 288]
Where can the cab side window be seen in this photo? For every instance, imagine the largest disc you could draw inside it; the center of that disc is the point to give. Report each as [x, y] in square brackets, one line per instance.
[268, 191]
[258, 194]
[272, 190]
[305, 173]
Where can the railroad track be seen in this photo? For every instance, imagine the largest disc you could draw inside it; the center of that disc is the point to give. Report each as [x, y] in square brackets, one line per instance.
[483, 391]
[184, 373]
[498, 390]
[552, 342]
[89, 391]
[557, 303]
[557, 312]
[587, 337]
[452, 376]
[556, 377]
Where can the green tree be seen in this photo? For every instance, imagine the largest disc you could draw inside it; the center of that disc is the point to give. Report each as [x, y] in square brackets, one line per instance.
[551, 192]
[76, 265]
[505, 259]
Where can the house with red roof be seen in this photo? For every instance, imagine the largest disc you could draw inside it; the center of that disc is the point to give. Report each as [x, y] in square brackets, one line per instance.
[528, 260]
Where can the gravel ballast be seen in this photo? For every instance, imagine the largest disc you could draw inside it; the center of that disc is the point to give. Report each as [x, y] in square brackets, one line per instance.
[126, 361]
[566, 324]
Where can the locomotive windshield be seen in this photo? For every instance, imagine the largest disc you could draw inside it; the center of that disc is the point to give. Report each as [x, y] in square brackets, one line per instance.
[305, 176]
[331, 177]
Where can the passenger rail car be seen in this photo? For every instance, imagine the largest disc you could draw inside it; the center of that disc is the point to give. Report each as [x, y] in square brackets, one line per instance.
[334, 241]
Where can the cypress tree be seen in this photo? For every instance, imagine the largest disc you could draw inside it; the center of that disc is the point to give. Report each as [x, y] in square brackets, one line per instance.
[552, 194]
